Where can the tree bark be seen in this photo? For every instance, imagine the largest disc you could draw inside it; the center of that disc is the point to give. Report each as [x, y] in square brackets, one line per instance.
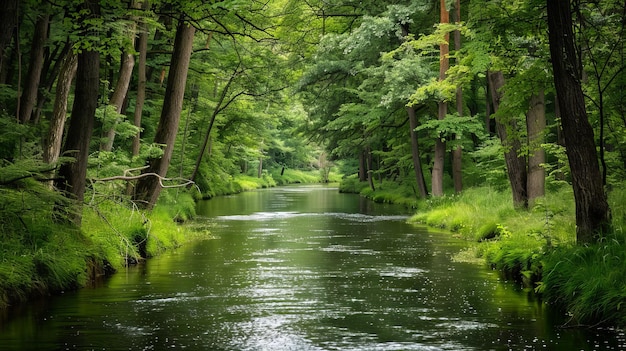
[515, 162]
[415, 153]
[593, 217]
[457, 153]
[73, 175]
[142, 48]
[28, 100]
[54, 139]
[8, 20]
[148, 188]
[121, 87]
[440, 145]
[362, 166]
[119, 95]
[536, 125]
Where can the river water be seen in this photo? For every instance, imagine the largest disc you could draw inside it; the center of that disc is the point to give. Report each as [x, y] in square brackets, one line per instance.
[301, 268]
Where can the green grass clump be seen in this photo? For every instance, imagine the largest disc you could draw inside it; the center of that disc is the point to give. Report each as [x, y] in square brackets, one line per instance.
[296, 176]
[385, 191]
[588, 282]
[352, 185]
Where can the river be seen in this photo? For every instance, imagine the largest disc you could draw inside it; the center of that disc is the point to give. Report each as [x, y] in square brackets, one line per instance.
[301, 268]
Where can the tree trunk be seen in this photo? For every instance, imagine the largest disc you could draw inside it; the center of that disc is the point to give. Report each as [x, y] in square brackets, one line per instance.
[72, 175]
[142, 48]
[515, 162]
[593, 217]
[457, 153]
[440, 145]
[370, 171]
[28, 99]
[415, 153]
[148, 188]
[52, 145]
[121, 87]
[119, 95]
[536, 125]
[8, 20]
[362, 166]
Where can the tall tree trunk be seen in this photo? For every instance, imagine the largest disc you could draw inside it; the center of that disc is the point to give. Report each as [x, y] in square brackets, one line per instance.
[149, 187]
[72, 175]
[8, 20]
[121, 87]
[53, 141]
[362, 166]
[536, 125]
[415, 153]
[515, 162]
[440, 145]
[118, 97]
[457, 153]
[28, 99]
[370, 172]
[142, 48]
[593, 216]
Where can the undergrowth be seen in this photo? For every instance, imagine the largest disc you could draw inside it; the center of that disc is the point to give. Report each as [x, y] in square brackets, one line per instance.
[42, 254]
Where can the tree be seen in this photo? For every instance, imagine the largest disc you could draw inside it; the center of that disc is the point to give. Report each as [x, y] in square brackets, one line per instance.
[52, 145]
[513, 157]
[142, 48]
[28, 99]
[123, 82]
[593, 217]
[73, 175]
[457, 153]
[535, 126]
[149, 187]
[440, 145]
[8, 20]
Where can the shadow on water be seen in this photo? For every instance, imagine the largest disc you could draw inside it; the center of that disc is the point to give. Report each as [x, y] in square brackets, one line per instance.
[302, 268]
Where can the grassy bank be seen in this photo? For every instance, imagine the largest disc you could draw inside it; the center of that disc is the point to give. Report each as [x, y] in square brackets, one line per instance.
[39, 255]
[535, 247]
[229, 185]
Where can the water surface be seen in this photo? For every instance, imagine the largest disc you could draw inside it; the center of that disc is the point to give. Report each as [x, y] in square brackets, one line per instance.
[302, 268]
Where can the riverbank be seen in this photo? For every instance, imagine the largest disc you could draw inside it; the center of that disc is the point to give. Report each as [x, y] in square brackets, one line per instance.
[40, 255]
[534, 247]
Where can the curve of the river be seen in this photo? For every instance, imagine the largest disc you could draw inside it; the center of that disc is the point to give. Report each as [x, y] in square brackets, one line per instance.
[302, 268]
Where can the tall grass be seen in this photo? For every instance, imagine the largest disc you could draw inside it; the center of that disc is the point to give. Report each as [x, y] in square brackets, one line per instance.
[40, 255]
[589, 282]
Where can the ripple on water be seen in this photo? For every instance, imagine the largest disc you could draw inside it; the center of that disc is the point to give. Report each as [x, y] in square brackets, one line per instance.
[353, 217]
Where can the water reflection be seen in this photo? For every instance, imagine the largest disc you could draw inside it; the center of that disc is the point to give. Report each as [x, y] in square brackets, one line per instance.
[301, 269]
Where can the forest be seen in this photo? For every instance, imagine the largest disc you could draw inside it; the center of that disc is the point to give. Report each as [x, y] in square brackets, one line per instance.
[501, 121]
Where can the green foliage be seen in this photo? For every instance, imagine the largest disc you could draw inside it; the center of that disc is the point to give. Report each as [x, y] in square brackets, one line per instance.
[488, 167]
[453, 128]
[588, 281]
[294, 176]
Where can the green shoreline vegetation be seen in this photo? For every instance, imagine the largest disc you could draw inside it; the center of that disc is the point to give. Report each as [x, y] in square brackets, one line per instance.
[535, 247]
[41, 255]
